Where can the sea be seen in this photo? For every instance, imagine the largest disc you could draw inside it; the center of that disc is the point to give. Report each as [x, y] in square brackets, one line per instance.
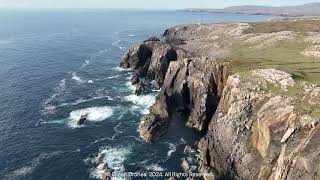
[56, 65]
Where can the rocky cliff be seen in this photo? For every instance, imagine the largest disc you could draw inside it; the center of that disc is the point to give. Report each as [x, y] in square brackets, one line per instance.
[259, 112]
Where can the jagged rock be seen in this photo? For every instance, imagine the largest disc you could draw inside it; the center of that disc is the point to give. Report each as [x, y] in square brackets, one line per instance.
[188, 150]
[307, 121]
[161, 57]
[276, 77]
[250, 131]
[185, 165]
[247, 133]
[155, 123]
[135, 79]
[152, 39]
[187, 90]
[266, 40]
[107, 172]
[137, 56]
[140, 88]
[99, 159]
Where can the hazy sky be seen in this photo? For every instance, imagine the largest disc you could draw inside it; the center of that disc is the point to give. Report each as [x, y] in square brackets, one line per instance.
[143, 4]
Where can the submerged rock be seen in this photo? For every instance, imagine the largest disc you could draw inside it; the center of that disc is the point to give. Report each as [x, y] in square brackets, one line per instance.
[82, 119]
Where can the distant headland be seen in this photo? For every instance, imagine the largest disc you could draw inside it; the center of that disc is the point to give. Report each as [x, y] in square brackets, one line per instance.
[310, 9]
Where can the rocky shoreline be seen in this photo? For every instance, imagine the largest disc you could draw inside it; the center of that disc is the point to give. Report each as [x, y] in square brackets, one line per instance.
[253, 126]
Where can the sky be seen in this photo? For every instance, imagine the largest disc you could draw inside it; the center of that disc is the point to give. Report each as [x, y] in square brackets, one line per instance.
[143, 4]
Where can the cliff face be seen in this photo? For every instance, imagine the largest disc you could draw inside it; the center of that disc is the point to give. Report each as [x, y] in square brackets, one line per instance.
[259, 123]
[256, 134]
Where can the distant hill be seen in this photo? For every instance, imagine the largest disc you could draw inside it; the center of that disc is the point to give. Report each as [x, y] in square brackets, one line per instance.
[311, 9]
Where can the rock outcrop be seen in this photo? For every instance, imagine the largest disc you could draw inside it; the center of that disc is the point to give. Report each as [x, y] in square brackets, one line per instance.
[257, 122]
[187, 91]
[255, 134]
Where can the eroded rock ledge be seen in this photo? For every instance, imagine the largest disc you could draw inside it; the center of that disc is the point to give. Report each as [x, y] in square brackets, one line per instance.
[254, 124]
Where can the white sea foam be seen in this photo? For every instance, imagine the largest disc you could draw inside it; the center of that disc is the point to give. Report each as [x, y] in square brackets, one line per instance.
[59, 90]
[114, 77]
[86, 63]
[93, 114]
[80, 101]
[102, 51]
[120, 69]
[117, 130]
[130, 86]
[131, 35]
[76, 78]
[62, 121]
[117, 44]
[90, 82]
[154, 167]
[172, 149]
[142, 102]
[114, 157]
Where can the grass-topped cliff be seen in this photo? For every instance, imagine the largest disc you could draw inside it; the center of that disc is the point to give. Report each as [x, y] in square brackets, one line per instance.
[252, 89]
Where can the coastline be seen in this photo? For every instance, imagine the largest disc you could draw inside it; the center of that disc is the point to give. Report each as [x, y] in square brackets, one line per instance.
[305, 10]
[212, 77]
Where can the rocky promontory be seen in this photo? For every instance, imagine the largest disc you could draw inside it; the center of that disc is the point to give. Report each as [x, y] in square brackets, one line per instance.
[251, 89]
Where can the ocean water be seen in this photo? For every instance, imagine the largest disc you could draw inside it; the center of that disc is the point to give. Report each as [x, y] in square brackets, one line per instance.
[57, 65]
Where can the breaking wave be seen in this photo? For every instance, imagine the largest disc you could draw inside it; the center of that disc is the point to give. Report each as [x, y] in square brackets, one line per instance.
[94, 114]
[117, 44]
[154, 167]
[86, 63]
[76, 78]
[142, 102]
[114, 157]
[59, 90]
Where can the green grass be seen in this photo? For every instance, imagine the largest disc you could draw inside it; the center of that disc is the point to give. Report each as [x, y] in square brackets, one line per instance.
[285, 56]
[301, 26]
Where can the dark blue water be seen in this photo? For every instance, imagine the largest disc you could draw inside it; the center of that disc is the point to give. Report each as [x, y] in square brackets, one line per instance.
[57, 65]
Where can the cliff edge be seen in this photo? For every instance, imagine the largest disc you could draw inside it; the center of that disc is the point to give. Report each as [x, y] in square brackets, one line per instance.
[251, 89]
